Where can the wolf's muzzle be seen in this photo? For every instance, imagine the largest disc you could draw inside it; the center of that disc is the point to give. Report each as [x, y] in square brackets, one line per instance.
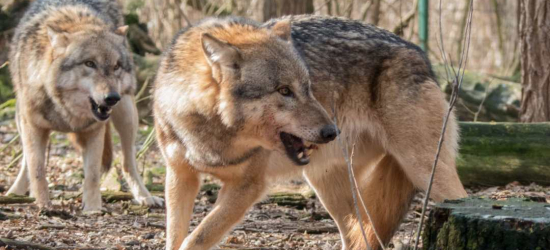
[112, 99]
[329, 132]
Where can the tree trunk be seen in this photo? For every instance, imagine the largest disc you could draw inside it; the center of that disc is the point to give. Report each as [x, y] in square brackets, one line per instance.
[535, 55]
[10, 13]
[268, 9]
[483, 224]
[164, 19]
[374, 17]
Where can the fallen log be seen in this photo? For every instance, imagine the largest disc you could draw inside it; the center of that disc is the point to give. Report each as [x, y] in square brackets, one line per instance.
[295, 200]
[475, 223]
[499, 153]
[15, 199]
[9, 243]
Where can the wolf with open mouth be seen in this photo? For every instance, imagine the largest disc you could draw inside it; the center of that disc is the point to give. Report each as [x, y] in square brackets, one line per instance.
[72, 71]
[247, 103]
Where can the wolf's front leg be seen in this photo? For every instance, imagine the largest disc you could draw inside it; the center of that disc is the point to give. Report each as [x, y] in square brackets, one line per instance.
[182, 186]
[92, 143]
[234, 199]
[34, 142]
[125, 119]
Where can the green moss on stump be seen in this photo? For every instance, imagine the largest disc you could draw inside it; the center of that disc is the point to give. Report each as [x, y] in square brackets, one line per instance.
[483, 224]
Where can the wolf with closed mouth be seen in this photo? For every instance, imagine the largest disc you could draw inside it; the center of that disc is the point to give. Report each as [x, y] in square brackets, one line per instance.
[72, 71]
[250, 103]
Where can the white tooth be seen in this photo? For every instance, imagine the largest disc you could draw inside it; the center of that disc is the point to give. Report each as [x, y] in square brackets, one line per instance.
[308, 152]
[301, 154]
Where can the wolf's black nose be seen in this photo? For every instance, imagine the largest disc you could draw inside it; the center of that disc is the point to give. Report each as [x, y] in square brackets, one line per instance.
[112, 98]
[329, 132]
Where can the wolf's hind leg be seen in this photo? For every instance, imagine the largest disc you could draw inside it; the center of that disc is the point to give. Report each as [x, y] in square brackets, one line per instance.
[384, 188]
[415, 150]
[21, 184]
[125, 120]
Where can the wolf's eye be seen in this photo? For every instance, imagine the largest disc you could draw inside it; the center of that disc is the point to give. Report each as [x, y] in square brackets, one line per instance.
[117, 67]
[90, 64]
[285, 91]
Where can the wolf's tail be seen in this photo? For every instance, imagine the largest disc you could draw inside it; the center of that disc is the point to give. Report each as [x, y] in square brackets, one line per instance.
[107, 157]
[387, 194]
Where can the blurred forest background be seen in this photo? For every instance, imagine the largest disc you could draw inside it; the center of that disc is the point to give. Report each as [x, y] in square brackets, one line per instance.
[491, 90]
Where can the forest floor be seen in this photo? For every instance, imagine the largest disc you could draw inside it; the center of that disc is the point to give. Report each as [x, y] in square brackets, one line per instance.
[122, 225]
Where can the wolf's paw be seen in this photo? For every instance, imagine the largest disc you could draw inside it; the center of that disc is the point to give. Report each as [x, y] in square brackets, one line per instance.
[95, 212]
[90, 207]
[151, 201]
[44, 205]
[17, 190]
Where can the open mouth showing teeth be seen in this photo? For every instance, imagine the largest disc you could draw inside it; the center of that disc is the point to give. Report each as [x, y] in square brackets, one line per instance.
[296, 149]
[101, 112]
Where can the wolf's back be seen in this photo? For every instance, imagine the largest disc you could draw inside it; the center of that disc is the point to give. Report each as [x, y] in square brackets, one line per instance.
[342, 50]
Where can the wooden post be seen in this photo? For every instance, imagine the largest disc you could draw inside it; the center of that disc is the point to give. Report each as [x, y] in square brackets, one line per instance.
[423, 18]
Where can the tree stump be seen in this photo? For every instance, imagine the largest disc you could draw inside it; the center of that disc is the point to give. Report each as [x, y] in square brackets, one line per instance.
[484, 224]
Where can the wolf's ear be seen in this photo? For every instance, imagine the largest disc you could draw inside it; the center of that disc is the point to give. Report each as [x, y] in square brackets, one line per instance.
[122, 30]
[58, 39]
[282, 29]
[219, 52]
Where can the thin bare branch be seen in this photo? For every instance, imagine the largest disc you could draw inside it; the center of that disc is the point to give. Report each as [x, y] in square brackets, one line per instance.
[5, 64]
[15, 138]
[482, 101]
[454, 96]
[361, 199]
[142, 90]
[16, 159]
[404, 23]
[348, 162]
[365, 10]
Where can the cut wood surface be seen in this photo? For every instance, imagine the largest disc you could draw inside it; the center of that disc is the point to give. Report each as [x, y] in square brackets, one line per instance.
[484, 224]
[500, 153]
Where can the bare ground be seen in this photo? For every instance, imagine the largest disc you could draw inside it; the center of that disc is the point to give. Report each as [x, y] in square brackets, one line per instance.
[125, 226]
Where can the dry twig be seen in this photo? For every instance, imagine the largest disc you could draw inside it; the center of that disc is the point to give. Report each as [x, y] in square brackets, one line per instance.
[457, 82]
[354, 189]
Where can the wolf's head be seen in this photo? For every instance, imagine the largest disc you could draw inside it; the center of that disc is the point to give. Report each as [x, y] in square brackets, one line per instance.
[94, 68]
[265, 89]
